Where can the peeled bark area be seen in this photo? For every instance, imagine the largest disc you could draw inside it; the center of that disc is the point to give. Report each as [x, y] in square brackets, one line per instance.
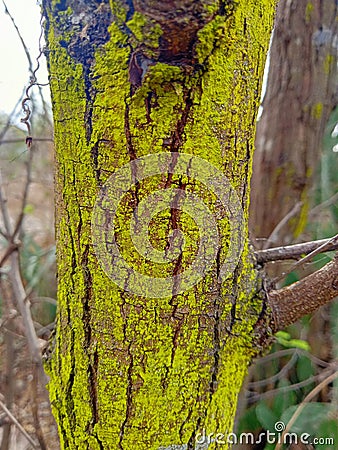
[130, 79]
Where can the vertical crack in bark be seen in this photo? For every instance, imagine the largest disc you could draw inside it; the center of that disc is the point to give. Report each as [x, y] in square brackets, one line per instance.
[92, 360]
[192, 441]
[129, 390]
[175, 340]
[95, 157]
[129, 398]
[177, 140]
[132, 154]
[216, 334]
[90, 98]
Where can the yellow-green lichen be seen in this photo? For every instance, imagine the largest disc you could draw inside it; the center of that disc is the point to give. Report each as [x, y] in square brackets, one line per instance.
[317, 110]
[329, 61]
[155, 365]
[145, 31]
[308, 12]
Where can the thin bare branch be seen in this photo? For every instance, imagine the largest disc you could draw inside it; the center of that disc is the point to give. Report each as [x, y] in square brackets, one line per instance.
[274, 234]
[14, 141]
[29, 163]
[291, 351]
[28, 56]
[277, 376]
[29, 59]
[321, 249]
[4, 210]
[10, 117]
[318, 208]
[11, 248]
[17, 286]
[295, 251]
[35, 408]
[307, 399]
[254, 397]
[18, 425]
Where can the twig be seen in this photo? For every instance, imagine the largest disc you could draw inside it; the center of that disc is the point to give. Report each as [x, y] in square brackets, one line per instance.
[11, 248]
[20, 427]
[18, 289]
[254, 397]
[291, 351]
[322, 248]
[294, 251]
[307, 399]
[35, 408]
[14, 141]
[8, 370]
[4, 210]
[10, 117]
[29, 163]
[277, 376]
[330, 201]
[29, 59]
[30, 63]
[274, 234]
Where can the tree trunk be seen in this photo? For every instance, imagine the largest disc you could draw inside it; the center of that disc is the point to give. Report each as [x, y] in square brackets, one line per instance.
[301, 93]
[130, 79]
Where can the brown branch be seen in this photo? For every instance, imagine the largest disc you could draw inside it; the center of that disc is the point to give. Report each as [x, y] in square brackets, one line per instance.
[303, 297]
[18, 425]
[17, 286]
[322, 248]
[294, 251]
[318, 208]
[275, 232]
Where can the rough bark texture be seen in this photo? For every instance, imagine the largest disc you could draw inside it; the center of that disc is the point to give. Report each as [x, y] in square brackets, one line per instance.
[129, 79]
[301, 93]
[305, 296]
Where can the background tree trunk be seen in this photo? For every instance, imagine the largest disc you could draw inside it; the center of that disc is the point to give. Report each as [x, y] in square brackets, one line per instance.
[301, 93]
[129, 79]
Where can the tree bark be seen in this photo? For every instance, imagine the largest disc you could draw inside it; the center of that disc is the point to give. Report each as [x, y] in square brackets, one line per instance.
[301, 93]
[150, 99]
[130, 79]
[305, 296]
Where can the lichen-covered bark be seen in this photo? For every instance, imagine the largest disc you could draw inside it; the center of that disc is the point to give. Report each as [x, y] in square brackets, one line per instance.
[129, 79]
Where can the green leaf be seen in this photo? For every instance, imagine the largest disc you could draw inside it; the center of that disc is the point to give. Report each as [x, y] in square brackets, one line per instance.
[266, 416]
[249, 421]
[283, 335]
[328, 429]
[310, 419]
[304, 368]
[283, 399]
[299, 343]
